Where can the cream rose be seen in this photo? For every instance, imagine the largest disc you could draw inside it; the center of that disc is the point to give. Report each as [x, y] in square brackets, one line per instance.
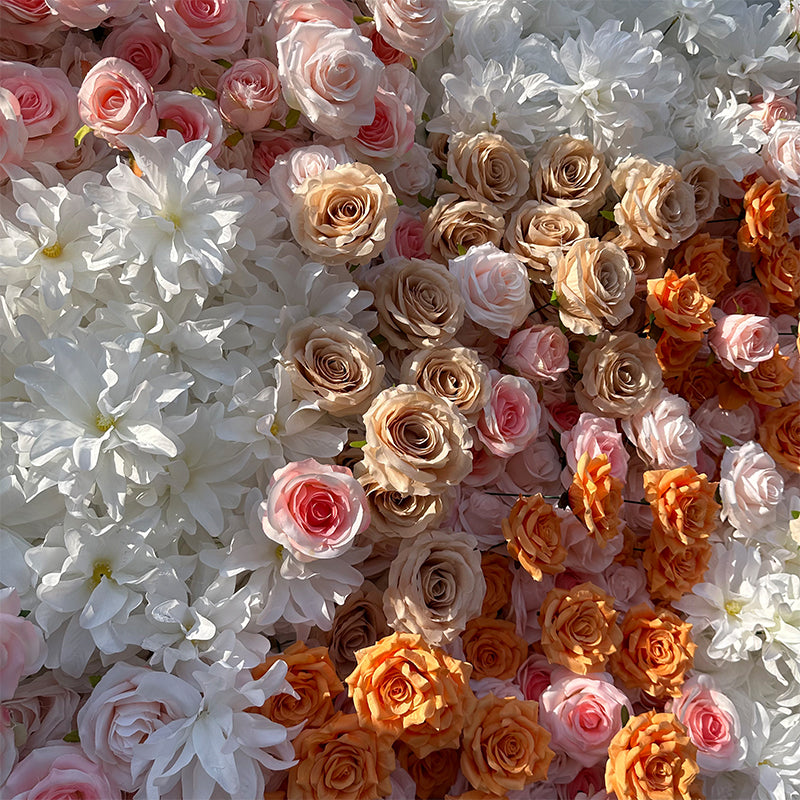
[454, 225]
[704, 179]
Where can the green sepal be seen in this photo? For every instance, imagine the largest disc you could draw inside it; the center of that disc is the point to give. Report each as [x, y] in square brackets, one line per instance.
[204, 91]
[81, 135]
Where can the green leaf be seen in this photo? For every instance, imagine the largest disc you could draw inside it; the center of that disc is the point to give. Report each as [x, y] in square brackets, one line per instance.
[624, 715]
[359, 20]
[796, 514]
[223, 63]
[606, 214]
[292, 118]
[462, 251]
[727, 441]
[446, 175]
[24, 612]
[425, 117]
[494, 119]
[428, 202]
[276, 126]
[95, 679]
[554, 298]
[413, 63]
[204, 91]
[81, 135]
[234, 139]
[359, 443]
[72, 736]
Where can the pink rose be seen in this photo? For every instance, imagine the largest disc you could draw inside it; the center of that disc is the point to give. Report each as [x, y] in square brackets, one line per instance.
[772, 109]
[540, 352]
[533, 677]
[389, 136]
[407, 86]
[287, 14]
[495, 287]
[596, 436]
[481, 514]
[59, 772]
[782, 156]
[331, 75]
[385, 52]
[527, 596]
[407, 239]
[536, 469]
[248, 93]
[314, 509]
[414, 26]
[588, 783]
[713, 724]
[292, 168]
[115, 99]
[143, 44]
[415, 175]
[743, 341]
[583, 552]
[486, 467]
[8, 744]
[510, 421]
[192, 116]
[582, 713]
[88, 14]
[715, 422]
[563, 416]
[208, 29]
[627, 584]
[745, 298]
[22, 649]
[13, 134]
[266, 150]
[27, 21]
[48, 107]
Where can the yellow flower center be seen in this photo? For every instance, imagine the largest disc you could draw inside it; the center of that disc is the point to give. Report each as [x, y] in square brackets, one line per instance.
[274, 429]
[172, 217]
[733, 607]
[53, 251]
[279, 552]
[104, 422]
[102, 569]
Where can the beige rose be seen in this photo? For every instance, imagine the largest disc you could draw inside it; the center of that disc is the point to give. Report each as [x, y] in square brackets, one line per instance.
[539, 233]
[487, 168]
[645, 261]
[620, 375]
[344, 215]
[418, 302]
[704, 179]
[571, 173]
[657, 205]
[334, 364]
[594, 285]
[456, 374]
[436, 586]
[453, 224]
[416, 443]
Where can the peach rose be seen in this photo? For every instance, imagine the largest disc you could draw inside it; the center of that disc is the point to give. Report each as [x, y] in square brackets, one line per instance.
[248, 93]
[679, 307]
[656, 652]
[767, 383]
[646, 262]
[290, 169]
[344, 215]
[453, 225]
[341, 758]
[409, 691]
[416, 27]
[579, 629]
[778, 272]
[504, 747]
[770, 109]
[510, 419]
[203, 30]
[496, 569]
[674, 573]
[675, 355]
[493, 648]
[704, 179]
[652, 756]
[595, 497]
[533, 533]
[708, 260]
[765, 216]
[779, 435]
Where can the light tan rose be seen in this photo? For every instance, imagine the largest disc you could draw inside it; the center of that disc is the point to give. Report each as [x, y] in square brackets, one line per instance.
[571, 173]
[416, 443]
[436, 585]
[594, 284]
[646, 262]
[456, 374]
[453, 224]
[704, 179]
[487, 168]
[419, 304]
[657, 205]
[620, 375]
[344, 215]
[334, 364]
[539, 233]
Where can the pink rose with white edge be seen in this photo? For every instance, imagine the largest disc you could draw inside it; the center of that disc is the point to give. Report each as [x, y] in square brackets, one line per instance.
[510, 421]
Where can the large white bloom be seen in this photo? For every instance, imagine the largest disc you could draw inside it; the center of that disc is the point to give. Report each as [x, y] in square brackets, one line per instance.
[489, 31]
[694, 23]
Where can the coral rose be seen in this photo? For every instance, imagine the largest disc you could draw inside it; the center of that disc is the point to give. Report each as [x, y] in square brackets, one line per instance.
[679, 307]
[595, 497]
[533, 533]
[652, 756]
[409, 691]
[579, 629]
[765, 212]
[504, 747]
[493, 648]
[708, 260]
[779, 435]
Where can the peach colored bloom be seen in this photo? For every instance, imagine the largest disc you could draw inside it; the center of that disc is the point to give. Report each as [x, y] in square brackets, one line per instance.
[767, 383]
[493, 648]
[497, 574]
[765, 216]
[779, 435]
[595, 497]
[778, 272]
[533, 533]
[679, 307]
[674, 573]
[454, 225]
[708, 259]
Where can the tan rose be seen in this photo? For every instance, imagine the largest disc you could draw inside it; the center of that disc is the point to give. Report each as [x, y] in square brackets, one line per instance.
[504, 747]
[487, 168]
[341, 759]
[499, 578]
[594, 284]
[620, 375]
[434, 774]
[334, 364]
[579, 629]
[435, 585]
[416, 443]
[533, 534]
[454, 225]
[456, 374]
[493, 648]
[409, 691]
[645, 261]
[657, 206]
[704, 179]
[538, 234]
[418, 302]
[344, 215]
[652, 757]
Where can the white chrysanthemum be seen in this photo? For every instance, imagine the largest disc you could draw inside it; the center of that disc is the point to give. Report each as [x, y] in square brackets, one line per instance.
[179, 220]
[695, 23]
[775, 758]
[222, 749]
[95, 418]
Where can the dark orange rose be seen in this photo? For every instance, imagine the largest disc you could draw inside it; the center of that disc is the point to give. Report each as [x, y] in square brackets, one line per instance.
[673, 573]
[767, 383]
[493, 648]
[595, 497]
[434, 774]
[778, 272]
[497, 573]
[779, 435]
[533, 533]
[679, 307]
[699, 382]
[708, 259]
[675, 355]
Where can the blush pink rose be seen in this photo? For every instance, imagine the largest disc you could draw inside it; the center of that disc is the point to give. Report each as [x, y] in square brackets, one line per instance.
[314, 509]
[714, 422]
[143, 44]
[486, 467]
[204, 29]
[88, 14]
[195, 118]
[536, 469]
[583, 714]
[745, 298]
[540, 352]
[713, 724]
[59, 772]
[248, 93]
[407, 239]
[596, 436]
[770, 109]
[627, 584]
[533, 677]
[287, 14]
[588, 783]
[563, 416]
[389, 136]
[583, 552]
[27, 21]
[268, 149]
[385, 52]
[48, 107]
[8, 744]
[743, 341]
[115, 99]
[510, 421]
[481, 514]
[782, 155]
[22, 649]
[13, 134]
[292, 168]
[414, 26]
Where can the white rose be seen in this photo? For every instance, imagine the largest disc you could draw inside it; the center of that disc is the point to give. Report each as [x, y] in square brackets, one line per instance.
[414, 175]
[715, 422]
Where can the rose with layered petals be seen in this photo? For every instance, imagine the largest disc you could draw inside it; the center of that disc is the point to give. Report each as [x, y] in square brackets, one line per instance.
[453, 226]
[143, 44]
[533, 533]
[248, 93]
[673, 573]
[765, 216]
[679, 307]
[416, 27]
[195, 118]
[22, 648]
[389, 136]
[779, 435]
[493, 648]
[595, 497]
[203, 29]
[510, 419]
[708, 259]
[13, 134]
[540, 352]
[742, 341]
[595, 436]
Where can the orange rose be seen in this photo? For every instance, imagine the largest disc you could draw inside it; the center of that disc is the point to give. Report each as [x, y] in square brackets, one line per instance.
[497, 573]
[533, 533]
[313, 676]
[656, 651]
[652, 757]
[673, 573]
[434, 774]
[504, 747]
[493, 648]
[708, 259]
[675, 355]
[683, 506]
[779, 435]
[778, 272]
[765, 219]
[413, 692]
[699, 382]
[767, 383]
[596, 497]
[679, 307]
[579, 629]
[341, 760]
